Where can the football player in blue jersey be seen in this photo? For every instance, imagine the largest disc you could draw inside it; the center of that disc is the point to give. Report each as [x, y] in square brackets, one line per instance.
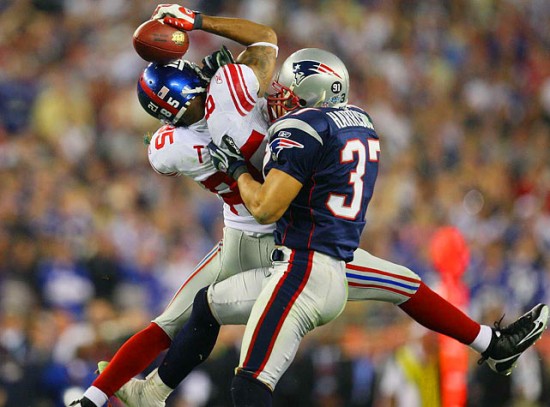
[319, 179]
[319, 176]
[319, 172]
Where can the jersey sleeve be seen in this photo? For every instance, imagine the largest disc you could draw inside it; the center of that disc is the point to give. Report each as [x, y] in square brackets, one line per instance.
[180, 151]
[294, 148]
[164, 154]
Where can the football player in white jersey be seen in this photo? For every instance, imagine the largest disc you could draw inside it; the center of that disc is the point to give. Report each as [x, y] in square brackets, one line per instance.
[232, 107]
[179, 148]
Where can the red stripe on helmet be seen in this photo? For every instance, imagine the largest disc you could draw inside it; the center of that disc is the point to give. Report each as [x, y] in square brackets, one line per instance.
[156, 99]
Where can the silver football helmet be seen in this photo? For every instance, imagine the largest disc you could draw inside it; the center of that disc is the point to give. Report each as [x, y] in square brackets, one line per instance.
[310, 77]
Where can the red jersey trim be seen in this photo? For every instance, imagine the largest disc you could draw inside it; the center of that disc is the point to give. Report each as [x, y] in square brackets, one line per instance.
[240, 95]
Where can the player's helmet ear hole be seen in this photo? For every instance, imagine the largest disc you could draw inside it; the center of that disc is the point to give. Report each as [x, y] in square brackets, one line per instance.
[302, 102]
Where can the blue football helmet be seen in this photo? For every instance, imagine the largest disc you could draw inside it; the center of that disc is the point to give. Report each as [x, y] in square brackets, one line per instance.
[165, 91]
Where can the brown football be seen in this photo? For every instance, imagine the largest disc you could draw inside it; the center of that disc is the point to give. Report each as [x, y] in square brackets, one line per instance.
[155, 41]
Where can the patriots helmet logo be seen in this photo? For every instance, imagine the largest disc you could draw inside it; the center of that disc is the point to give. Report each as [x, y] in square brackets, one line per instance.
[303, 69]
[281, 143]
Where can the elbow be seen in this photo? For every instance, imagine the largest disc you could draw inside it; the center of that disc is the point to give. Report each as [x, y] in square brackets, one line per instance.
[269, 35]
[264, 216]
[265, 219]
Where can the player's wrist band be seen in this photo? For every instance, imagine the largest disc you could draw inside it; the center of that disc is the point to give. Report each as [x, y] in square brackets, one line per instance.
[197, 24]
[240, 170]
[266, 44]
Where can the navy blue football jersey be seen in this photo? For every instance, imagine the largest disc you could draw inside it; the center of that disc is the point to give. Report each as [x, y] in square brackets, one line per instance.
[334, 153]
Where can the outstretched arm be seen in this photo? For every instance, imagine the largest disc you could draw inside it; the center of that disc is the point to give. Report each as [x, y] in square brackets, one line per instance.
[261, 58]
[260, 40]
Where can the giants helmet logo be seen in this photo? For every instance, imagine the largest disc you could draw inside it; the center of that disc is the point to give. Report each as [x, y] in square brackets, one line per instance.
[303, 69]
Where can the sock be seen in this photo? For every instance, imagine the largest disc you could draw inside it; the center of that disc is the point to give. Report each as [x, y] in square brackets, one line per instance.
[132, 358]
[192, 345]
[96, 396]
[483, 339]
[249, 392]
[437, 314]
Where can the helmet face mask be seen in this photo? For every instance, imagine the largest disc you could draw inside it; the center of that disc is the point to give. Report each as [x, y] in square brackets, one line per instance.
[282, 101]
[309, 77]
[165, 91]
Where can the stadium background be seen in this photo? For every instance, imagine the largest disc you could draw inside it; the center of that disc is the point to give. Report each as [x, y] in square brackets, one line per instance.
[93, 242]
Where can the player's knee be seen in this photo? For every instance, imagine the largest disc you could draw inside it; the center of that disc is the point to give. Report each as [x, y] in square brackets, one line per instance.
[407, 272]
[201, 308]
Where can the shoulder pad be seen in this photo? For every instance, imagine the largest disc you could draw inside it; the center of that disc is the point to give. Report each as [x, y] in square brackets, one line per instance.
[235, 87]
[307, 120]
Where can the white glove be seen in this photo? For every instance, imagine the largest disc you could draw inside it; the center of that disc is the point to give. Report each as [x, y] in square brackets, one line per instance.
[178, 16]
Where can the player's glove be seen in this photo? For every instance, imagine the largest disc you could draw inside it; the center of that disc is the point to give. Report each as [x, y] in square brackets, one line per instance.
[178, 16]
[211, 63]
[228, 157]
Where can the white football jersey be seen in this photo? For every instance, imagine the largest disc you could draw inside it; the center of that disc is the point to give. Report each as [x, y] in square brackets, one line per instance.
[234, 109]
[177, 151]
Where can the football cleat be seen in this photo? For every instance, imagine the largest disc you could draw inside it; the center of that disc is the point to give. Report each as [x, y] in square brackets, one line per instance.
[151, 392]
[507, 344]
[83, 402]
[124, 394]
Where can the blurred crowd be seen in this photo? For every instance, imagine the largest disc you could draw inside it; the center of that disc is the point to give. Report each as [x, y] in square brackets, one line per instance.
[93, 243]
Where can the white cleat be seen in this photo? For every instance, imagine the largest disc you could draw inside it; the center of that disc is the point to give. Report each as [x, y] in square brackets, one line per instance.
[151, 392]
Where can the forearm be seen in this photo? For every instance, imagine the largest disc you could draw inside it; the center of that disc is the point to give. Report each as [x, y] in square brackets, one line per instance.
[255, 200]
[244, 32]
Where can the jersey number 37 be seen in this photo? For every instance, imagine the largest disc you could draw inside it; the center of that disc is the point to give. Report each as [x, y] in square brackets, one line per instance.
[337, 202]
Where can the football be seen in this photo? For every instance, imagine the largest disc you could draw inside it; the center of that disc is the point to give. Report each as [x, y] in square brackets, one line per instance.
[155, 41]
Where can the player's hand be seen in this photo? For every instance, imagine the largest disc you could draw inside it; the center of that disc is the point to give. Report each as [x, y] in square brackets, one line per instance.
[211, 63]
[178, 16]
[228, 157]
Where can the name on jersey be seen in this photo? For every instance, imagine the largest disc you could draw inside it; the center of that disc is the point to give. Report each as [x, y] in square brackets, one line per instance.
[350, 118]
